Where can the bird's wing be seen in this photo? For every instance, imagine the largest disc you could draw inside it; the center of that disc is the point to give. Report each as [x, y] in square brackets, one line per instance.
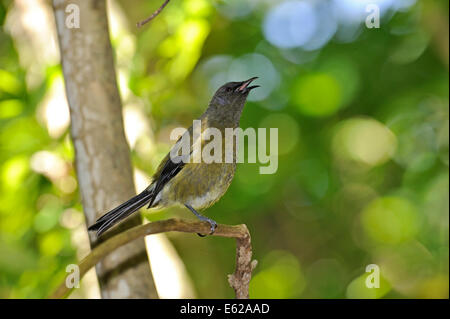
[168, 168]
[168, 171]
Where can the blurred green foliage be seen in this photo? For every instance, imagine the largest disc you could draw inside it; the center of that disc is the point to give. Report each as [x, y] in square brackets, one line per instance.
[363, 145]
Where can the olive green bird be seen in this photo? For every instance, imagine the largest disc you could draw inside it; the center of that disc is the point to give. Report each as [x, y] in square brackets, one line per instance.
[179, 179]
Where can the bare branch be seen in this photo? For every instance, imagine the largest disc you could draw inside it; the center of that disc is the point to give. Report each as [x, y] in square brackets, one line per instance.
[239, 280]
[141, 23]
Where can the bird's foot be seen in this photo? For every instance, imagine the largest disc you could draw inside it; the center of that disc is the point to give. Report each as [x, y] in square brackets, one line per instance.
[203, 219]
[211, 222]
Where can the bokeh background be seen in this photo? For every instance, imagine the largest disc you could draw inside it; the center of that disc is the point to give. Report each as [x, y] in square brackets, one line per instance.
[363, 118]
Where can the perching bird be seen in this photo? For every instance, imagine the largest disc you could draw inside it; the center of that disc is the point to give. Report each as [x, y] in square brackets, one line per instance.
[196, 185]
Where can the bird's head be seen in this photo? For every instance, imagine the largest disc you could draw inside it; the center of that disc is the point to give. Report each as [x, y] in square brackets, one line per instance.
[229, 99]
[232, 92]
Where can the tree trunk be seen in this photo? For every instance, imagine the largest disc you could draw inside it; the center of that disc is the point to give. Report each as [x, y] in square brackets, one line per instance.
[102, 155]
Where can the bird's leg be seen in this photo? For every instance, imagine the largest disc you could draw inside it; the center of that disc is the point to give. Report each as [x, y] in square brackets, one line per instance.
[204, 219]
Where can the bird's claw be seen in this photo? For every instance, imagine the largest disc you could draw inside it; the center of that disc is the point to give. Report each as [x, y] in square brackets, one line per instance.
[213, 228]
[203, 219]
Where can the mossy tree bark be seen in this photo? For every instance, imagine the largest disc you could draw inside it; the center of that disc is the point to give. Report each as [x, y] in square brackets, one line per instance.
[102, 155]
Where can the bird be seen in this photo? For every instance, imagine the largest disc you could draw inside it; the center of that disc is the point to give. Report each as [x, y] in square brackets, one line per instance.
[180, 180]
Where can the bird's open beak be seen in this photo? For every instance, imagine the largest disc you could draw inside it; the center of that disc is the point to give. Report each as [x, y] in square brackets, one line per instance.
[243, 86]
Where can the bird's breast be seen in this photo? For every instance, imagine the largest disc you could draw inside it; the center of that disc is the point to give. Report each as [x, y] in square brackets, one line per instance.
[199, 184]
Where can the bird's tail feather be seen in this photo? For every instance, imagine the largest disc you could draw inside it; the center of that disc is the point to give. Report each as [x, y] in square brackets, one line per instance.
[121, 212]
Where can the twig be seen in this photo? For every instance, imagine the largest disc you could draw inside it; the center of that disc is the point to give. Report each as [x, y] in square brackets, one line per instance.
[141, 23]
[239, 280]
